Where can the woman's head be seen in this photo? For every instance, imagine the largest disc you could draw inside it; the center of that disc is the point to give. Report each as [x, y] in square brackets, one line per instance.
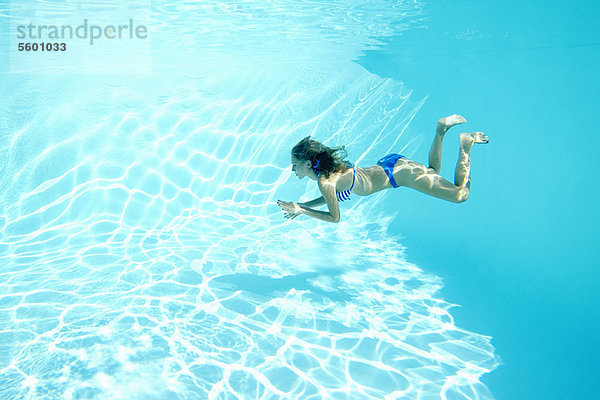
[309, 154]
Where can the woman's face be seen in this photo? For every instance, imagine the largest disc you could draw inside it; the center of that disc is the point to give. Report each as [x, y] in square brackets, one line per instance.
[301, 168]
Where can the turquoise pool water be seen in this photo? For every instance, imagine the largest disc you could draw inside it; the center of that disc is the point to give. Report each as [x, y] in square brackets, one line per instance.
[142, 253]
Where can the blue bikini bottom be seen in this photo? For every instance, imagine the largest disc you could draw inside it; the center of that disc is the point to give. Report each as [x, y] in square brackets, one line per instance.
[387, 163]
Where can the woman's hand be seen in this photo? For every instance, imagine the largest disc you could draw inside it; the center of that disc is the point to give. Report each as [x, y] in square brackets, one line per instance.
[290, 209]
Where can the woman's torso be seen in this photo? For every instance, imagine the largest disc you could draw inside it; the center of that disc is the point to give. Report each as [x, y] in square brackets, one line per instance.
[367, 180]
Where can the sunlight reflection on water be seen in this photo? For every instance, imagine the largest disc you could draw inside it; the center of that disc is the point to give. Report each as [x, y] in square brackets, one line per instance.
[143, 255]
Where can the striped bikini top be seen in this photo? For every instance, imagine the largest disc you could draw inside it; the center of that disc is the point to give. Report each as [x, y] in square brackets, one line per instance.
[345, 194]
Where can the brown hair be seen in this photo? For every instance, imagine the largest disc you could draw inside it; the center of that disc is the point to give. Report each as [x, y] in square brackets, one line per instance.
[324, 160]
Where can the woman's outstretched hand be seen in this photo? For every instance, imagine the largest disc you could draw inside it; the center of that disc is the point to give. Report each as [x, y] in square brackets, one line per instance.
[290, 209]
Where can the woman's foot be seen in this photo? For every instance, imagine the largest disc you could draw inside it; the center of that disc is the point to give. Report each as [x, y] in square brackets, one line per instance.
[469, 139]
[448, 122]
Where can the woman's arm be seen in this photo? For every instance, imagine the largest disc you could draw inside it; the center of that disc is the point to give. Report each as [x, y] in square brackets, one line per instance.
[333, 213]
[322, 215]
[313, 203]
[292, 210]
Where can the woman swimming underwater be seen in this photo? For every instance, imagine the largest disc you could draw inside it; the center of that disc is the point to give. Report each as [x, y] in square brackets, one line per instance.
[337, 179]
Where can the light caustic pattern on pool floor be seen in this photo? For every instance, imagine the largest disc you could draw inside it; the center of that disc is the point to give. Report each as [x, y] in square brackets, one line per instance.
[143, 256]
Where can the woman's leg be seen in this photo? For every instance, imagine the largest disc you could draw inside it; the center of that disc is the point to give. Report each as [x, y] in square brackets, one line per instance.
[427, 180]
[435, 153]
[462, 173]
